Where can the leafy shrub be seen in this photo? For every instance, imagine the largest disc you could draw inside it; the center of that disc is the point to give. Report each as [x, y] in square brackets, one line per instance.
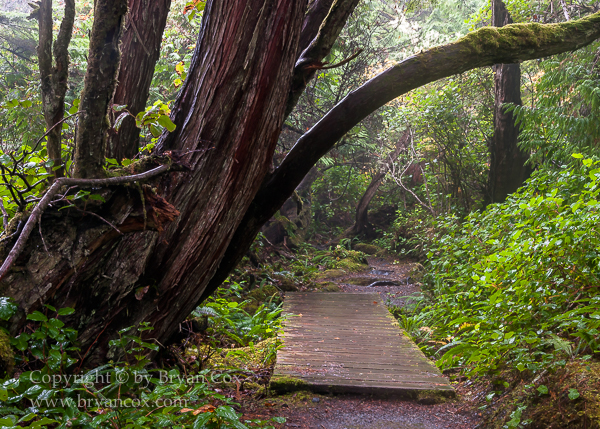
[517, 285]
[52, 392]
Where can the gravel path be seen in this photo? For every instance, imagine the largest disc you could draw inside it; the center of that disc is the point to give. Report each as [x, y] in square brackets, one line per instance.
[358, 412]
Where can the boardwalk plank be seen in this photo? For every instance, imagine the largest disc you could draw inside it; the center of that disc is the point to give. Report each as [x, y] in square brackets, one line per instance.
[349, 342]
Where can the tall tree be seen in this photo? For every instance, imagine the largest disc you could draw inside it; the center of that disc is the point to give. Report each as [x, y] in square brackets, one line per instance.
[361, 217]
[508, 169]
[53, 61]
[140, 47]
[152, 252]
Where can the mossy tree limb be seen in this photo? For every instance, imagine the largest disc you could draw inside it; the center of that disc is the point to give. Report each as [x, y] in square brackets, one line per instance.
[53, 78]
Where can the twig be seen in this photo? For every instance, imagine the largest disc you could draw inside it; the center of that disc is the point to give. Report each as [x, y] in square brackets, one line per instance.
[138, 36]
[4, 216]
[47, 198]
[41, 235]
[48, 132]
[347, 60]
[99, 217]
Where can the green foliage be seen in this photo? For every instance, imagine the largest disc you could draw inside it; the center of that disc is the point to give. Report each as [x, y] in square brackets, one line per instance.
[516, 285]
[232, 325]
[56, 394]
[562, 114]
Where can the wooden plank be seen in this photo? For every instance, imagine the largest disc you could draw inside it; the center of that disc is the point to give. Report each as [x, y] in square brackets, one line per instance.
[349, 342]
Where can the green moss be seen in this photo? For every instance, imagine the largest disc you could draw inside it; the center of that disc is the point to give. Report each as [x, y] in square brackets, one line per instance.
[331, 274]
[7, 357]
[261, 355]
[369, 249]
[351, 264]
[285, 383]
[260, 295]
[327, 287]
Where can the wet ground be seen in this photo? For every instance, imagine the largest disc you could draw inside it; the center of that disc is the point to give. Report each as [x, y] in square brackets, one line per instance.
[356, 412]
[388, 277]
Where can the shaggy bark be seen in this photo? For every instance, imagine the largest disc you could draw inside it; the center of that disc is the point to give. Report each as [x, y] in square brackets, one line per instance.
[53, 78]
[98, 88]
[507, 161]
[485, 47]
[230, 111]
[140, 50]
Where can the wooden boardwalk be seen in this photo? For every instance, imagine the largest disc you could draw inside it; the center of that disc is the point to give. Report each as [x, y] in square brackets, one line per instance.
[350, 343]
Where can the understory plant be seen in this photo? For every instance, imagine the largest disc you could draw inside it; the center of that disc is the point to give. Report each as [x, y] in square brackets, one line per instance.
[517, 285]
[51, 388]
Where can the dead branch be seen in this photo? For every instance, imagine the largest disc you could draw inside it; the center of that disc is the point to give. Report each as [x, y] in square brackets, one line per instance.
[36, 214]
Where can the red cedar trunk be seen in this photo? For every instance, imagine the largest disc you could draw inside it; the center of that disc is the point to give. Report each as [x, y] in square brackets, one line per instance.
[228, 118]
[140, 50]
[507, 161]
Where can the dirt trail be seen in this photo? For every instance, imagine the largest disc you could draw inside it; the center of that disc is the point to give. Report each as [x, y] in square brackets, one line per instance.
[307, 411]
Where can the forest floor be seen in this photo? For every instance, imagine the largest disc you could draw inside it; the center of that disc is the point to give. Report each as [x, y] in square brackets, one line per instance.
[308, 410]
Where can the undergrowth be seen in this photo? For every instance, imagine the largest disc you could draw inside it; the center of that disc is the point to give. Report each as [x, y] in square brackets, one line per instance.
[512, 292]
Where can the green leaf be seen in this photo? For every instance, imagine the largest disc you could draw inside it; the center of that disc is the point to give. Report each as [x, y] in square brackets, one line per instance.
[542, 389]
[577, 155]
[573, 394]
[37, 316]
[3, 395]
[7, 308]
[155, 131]
[201, 420]
[166, 122]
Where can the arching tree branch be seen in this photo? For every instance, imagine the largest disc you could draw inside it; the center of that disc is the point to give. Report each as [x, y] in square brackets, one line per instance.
[484, 47]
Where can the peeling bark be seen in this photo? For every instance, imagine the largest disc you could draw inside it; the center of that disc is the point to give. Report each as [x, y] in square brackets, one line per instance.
[140, 50]
[236, 91]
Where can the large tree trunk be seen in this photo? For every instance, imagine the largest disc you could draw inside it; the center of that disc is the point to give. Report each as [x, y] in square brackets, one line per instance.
[228, 116]
[236, 94]
[140, 47]
[507, 161]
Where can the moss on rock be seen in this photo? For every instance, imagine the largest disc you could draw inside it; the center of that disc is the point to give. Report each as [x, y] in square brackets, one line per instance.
[331, 274]
[369, 249]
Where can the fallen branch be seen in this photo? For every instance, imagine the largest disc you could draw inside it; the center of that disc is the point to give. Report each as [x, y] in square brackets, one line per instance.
[36, 214]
